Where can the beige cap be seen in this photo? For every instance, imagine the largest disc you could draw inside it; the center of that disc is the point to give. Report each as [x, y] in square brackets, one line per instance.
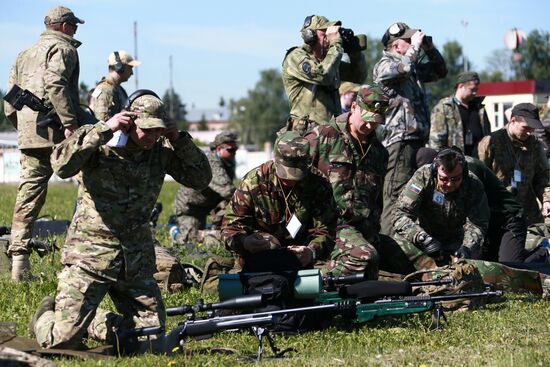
[61, 14]
[347, 87]
[151, 112]
[125, 59]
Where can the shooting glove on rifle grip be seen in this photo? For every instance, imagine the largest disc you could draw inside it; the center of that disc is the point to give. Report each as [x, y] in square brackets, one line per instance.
[428, 244]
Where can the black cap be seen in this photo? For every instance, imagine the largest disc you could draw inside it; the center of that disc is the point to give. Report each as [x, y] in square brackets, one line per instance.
[530, 113]
[467, 76]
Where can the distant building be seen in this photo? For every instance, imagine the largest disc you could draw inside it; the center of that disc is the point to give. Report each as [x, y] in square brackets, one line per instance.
[500, 96]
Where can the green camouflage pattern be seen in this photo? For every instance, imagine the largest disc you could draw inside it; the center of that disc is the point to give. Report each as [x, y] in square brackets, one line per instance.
[36, 171]
[446, 125]
[536, 234]
[503, 154]
[371, 98]
[258, 206]
[76, 314]
[291, 156]
[312, 85]
[151, 113]
[402, 78]
[49, 69]
[319, 22]
[461, 220]
[107, 99]
[191, 207]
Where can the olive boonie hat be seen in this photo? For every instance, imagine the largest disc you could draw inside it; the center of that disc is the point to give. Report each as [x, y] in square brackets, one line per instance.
[61, 14]
[316, 22]
[150, 110]
[396, 31]
[467, 76]
[530, 113]
[291, 156]
[224, 137]
[125, 58]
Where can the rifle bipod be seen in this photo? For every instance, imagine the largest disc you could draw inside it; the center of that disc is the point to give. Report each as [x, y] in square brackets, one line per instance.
[259, 332]
[437, 314]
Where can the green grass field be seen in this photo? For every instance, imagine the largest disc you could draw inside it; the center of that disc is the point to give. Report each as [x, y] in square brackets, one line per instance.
[511, 333]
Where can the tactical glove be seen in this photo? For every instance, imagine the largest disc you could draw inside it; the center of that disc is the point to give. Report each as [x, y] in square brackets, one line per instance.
[428, 244]
[463, 252]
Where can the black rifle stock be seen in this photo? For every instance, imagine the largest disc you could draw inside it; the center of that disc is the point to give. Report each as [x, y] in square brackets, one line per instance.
[18, 98]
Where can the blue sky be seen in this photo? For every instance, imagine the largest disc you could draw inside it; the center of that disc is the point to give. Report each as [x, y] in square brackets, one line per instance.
[219, 47]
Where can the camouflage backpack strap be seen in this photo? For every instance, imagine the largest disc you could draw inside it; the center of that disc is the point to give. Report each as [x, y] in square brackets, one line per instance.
[214, 266]
[465, 277]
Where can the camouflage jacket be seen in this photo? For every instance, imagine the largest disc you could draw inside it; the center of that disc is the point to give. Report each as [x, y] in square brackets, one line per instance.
[462, 218]
[356, 177]
[401, 77]
[447, 128]
[258, 205]
[120, 186]
[312, 85]
[107, 99]
[49, 69]
[220, 188]
[503, 154]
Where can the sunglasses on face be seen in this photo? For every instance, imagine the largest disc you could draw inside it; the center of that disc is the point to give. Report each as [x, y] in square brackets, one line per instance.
[230, 149]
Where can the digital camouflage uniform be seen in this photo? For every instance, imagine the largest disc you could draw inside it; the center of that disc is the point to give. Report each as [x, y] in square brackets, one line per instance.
[504, 154]
[447, 128]
[312, 85]
[192, 206]
[258, 206]
[407, 120]
[108, 99]
[356, 180]
[50, 70]
[109, 247]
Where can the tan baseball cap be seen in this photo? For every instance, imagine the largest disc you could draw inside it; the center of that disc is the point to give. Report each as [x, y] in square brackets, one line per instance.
[61, 14]
[125, 58]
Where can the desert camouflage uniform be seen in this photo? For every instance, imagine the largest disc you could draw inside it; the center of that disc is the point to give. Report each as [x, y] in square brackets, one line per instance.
[108, 99]
[191, 206]
[461, 220]
[109, 247]
[408, 120]
[447, 128]
[312, 85]
[504, 154]
[258, 206]
[356, 180]
[50, 70]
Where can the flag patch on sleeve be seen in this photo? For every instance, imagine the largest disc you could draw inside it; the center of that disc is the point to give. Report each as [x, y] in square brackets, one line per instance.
[415, 188]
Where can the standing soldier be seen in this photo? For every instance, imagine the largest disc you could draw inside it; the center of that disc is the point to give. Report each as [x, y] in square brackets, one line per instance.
[50, 70]
[191, 206]
[109, 246]
[347, 151]
[460, 120]
[401, 72]
[312, 72]
[109, 97]
[518, 160]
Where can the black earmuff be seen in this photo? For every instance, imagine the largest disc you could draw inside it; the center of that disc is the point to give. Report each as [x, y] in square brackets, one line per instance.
[119, 66]
[138, 93]
[308, 35]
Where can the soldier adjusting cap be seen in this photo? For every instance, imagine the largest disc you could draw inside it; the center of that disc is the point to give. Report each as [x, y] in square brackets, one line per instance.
[291, 156]
[151, 112]
[61, 14]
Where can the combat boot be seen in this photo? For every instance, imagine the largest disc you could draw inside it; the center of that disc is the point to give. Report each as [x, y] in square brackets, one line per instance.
[21, 268]
[47, 304]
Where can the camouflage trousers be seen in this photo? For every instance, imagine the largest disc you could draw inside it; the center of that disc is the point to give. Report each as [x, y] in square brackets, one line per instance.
[36, 171]
[353, 254]
[499, 275]
[76, 313]
[401, 167]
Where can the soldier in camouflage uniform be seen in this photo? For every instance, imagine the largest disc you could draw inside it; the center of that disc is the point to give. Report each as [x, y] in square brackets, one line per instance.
[518, 160]
[401, 72]
[50, 70]
[109, 247]
[282, 204]
[191, 207]
[312, 72]
[109, 97]
[348, 153]
[460, 120]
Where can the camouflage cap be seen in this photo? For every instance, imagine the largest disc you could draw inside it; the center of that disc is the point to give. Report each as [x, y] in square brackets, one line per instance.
[530, 113]
[347, 87]
[373, 99]
[151, 112]
[316, 22]
[397, 31]
[61, 14]
[291, 156]
[224, 137]
[125, 58]
[467, 76]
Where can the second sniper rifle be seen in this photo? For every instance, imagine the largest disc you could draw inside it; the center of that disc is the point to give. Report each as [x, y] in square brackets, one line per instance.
[356, 304]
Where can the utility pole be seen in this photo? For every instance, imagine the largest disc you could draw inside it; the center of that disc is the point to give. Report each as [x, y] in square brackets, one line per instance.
[136, 72]
[464, 58]
[172, 103]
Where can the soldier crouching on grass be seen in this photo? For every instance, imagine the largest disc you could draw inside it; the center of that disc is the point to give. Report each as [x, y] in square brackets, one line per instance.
[109, 247]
